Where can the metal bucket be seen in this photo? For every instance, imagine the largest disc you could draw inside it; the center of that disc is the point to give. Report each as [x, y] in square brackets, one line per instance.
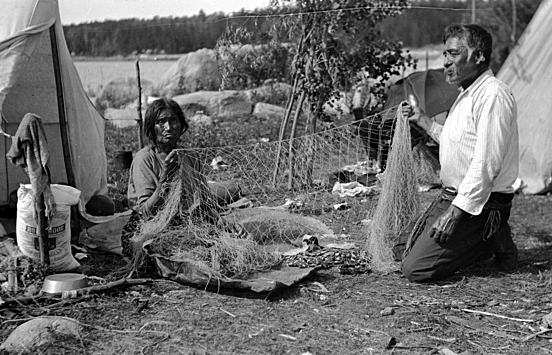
[64, 282]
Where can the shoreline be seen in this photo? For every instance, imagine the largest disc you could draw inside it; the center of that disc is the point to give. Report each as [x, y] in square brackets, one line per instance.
[132, 58]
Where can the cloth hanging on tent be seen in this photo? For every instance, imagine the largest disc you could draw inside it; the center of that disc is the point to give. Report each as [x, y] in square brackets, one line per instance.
[29, 150]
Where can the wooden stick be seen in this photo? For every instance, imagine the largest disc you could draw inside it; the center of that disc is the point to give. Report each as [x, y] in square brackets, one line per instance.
[42, 230]
[291, 158]
[529, 337]
[498, 316]
[139, 107]
[230, 314]
[80, 292]
[283, 125]
[414, 347]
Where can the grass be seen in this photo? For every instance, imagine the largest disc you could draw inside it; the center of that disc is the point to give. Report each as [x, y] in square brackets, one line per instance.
[362, 314]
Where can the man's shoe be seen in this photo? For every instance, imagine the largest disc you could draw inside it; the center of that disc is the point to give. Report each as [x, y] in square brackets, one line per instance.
[505, 250]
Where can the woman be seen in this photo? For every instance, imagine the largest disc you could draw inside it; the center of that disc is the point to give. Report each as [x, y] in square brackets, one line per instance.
[156, 163]
[154, 167]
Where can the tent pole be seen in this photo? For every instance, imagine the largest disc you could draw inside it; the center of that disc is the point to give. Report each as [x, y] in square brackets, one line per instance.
[63, 123]
[61, 109]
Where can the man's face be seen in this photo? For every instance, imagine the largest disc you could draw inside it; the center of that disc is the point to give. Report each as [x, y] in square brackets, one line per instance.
[167, 128]
[461, 67]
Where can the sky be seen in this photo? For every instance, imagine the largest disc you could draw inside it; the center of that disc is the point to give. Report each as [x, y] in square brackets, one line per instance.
[77, 11]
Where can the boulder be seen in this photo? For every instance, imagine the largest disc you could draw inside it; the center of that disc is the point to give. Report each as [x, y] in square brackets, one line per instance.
[234, 105]
[193, 108]
[270, 92]
[217, 103]
[120, 92]
[268, 111]
[200, 120]
[39, 331]
[121, 118]
[194, 71]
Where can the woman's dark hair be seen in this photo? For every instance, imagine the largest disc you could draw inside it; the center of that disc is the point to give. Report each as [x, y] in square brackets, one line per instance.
[476, 36]
[153, 112]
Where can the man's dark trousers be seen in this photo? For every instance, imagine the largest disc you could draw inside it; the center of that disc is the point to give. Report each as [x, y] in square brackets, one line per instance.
[427, 261]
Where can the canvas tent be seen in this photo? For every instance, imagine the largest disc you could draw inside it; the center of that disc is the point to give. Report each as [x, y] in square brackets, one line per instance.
[528, 72]
[427, 88]
[37, 75]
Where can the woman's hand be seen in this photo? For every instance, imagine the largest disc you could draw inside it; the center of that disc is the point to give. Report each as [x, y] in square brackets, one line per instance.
[172, 157]
[235, 229]
[238, 231]
[170, 166]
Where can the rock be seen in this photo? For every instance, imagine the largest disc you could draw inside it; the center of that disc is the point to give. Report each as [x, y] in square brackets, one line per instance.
[146, 100]
[269, 92]
[234, 105]
[194, 71]
[200, 120]
[547, 320]
[121, 118]
[267, 110]
[39, 331]
[217, 103]
[120, 92]
[206, 99]
[193, 108]
[388, 311]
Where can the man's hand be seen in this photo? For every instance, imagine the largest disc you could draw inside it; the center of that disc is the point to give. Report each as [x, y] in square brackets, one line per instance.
[445, 225]
[416, 115]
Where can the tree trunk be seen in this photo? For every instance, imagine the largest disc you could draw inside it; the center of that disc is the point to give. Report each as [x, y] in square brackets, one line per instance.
[291, 163]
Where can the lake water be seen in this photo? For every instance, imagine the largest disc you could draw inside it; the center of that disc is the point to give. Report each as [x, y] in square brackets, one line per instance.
[96, 74]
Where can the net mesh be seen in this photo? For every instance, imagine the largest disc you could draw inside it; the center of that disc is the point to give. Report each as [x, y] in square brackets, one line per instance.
[399, 200]
[320, 184]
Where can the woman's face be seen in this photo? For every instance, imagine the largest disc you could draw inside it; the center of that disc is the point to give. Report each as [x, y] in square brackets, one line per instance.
[167, 129]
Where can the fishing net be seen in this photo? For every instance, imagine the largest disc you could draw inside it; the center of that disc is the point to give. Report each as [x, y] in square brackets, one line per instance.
[245, 205]
[399, 200]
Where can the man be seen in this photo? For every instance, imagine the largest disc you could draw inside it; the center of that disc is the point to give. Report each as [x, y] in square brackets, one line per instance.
[468, 222]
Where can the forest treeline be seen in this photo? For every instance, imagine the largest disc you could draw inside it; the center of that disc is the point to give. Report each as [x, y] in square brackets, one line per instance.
[416, 27]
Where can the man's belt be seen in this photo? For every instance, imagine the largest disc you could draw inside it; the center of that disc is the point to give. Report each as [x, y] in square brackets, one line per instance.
[497, 200]
[449, 193]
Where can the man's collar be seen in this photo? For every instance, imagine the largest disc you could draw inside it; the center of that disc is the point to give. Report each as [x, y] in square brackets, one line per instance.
[487, 73]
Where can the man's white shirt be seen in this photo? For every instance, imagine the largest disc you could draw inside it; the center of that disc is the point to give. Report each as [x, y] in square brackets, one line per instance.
[479, 148]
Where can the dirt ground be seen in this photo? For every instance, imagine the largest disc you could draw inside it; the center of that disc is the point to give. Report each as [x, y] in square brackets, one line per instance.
[478, 311]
